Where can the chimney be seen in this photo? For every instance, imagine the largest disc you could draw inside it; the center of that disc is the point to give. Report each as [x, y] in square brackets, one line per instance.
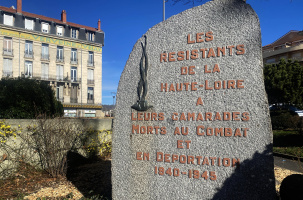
[19, 6]
[63, 16]
[99, 25]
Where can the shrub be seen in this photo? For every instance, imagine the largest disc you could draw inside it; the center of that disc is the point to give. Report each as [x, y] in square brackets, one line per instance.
[284, 119]
[25, 98]
[53, 139]
[98, 143]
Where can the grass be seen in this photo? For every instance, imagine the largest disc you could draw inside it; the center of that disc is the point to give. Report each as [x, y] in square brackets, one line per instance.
[288, 142]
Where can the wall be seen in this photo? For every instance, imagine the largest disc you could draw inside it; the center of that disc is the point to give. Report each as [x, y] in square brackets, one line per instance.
[96, 124]
[9, 155]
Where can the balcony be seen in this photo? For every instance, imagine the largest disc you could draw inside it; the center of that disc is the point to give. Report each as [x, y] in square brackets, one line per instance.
[90, 63]
[7, 74]
[60, 59]
[282, 51]
[90, 82]
[28, 54]
[45, 57]
[58, 78]
[73, 100]
[90, 101]
[74, 61]
[8, 52]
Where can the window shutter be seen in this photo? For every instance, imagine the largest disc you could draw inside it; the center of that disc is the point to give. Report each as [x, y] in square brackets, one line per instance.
[59, 30]
[8, 19]
[7, 65]
[29, 24]
[45, 27]
[90, 74]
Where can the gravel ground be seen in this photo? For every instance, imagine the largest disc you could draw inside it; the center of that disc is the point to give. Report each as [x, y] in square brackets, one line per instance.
[67, 187]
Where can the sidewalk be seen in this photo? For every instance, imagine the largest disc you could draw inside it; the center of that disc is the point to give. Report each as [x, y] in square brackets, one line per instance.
[290, 164]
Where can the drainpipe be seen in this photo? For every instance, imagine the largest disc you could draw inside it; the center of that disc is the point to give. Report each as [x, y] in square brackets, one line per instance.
[81, 82]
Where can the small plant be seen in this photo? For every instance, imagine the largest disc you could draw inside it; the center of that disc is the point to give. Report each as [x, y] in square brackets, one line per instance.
[6, 131]
[8, 148]
[98, 143]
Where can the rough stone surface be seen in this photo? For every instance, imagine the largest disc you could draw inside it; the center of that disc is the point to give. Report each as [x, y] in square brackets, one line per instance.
[232, 23]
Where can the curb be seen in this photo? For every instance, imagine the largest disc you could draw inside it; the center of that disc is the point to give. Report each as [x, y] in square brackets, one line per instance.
[288, 157]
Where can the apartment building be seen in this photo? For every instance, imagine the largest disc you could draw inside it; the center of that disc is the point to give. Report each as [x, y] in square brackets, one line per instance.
[289, 46]
[66, 55]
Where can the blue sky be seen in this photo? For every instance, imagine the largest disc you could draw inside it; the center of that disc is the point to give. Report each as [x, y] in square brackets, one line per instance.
[125, 21]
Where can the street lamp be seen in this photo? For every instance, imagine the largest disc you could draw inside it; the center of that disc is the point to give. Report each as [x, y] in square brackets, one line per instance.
[114, 95]
[164, 1]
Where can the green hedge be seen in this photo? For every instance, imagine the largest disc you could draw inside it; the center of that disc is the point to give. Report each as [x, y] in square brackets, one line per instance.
[25, 98]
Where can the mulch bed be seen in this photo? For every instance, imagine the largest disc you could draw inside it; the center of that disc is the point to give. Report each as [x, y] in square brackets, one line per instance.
[91, 179]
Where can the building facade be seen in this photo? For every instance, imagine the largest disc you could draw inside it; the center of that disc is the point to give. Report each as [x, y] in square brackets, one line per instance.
[66, 55]
[289, 46]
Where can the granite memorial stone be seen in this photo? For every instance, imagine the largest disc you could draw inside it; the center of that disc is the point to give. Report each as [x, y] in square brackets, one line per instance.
[191, 118]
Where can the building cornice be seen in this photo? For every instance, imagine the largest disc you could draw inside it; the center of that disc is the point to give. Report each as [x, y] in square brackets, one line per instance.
[22, 30]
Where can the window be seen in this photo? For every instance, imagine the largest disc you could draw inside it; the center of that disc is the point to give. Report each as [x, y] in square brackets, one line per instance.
[90, 60]
[44, 71]
[29, 24]
[271, 60]
[73, 74]
[60, 57]
[90, 95]
[90, 36]
[59, 30]
[44, 52]
[7, 67]
[28, 69]
[7, 46]
[45, 27]
[8, 19]
[296, 56]
[73, 58]
[28, 53]
[59, 93]
[74, 33]
[90, 76]
[60, 72]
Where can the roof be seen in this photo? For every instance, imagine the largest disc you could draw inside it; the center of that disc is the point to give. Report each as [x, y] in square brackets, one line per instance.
[289, 37]
[32, 15]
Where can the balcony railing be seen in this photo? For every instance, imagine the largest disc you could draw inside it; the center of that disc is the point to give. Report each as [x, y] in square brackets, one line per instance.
[90, 101]
[44, 56]
[90, 63]
[47, 77]
[74, 79]
[73, 100]
[60, 59]
[8, 52]
[7, 74]
[90, 82]
[74, 61]
[28, 54]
